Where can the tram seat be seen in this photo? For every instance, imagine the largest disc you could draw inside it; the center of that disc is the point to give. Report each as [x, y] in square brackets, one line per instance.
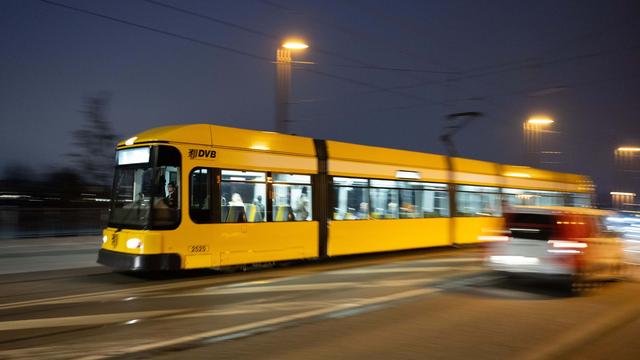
[254, 214]
[284, 213]
[225, 212]
[236, 214]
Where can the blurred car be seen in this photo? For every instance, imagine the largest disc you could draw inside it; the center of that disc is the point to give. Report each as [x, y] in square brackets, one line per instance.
[627, 223]
[558, 242]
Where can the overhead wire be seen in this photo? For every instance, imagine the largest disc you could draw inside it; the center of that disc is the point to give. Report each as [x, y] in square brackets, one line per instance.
[375, 88]
[233, 50]
[363, 64]
[156, 30]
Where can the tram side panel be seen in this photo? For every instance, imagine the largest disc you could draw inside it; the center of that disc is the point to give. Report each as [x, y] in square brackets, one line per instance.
[469, 230]
[254, 239]
[366, 236]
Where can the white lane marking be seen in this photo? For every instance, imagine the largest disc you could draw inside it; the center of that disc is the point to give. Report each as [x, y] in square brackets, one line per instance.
[260, 324]
[110, 294]
[257, 308]
[83, 320]
[302, 287]
[401, 270]
[114, 294]
[87, 244]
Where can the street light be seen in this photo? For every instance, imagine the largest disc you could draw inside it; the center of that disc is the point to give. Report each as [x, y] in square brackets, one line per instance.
[295, 45]
[620, 198]
[540, 120]
[626, 175]
[532, 130]
[283, 82]
[629, 149]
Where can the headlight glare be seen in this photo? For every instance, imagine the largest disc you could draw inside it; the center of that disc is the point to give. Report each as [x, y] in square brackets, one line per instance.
[134, 243]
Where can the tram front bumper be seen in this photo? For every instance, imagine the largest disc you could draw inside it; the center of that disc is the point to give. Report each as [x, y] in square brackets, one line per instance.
[135, 262]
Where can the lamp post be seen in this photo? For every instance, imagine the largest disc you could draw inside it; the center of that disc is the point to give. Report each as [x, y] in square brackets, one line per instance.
[626, 175]
[532, 131]
[283, 82]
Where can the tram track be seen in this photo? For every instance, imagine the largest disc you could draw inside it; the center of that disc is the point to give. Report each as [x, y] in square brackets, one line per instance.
[345, 307]
[156, 291]
[176, 281]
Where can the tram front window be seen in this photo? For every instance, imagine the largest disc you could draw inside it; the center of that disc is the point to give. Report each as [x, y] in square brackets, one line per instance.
[146, 196]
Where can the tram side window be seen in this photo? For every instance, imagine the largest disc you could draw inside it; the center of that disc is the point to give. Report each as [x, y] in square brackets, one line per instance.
[291, 197]
[358, 199]
[351, 200]
[515, 197]
[477, 201]
[200, 185]
[411, 203]
[243, 196]
[423, 200]
[550, 198]
[384, 199]
[435, 200]
[581, 200]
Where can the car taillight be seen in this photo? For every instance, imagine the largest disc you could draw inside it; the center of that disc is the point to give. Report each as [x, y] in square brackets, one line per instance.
[566, 246]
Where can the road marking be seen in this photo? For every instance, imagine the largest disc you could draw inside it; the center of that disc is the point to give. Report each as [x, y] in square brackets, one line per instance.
[137, 291]
[264, 289]
[263, 323]
[83, 320]
[252, 308]
[109, 294]
[407, 269]
[303, 287]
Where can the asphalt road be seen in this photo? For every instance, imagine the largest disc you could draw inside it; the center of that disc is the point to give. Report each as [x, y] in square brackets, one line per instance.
[438, 303]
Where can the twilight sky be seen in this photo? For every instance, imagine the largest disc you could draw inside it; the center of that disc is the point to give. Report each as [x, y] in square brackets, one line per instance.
[386, 72]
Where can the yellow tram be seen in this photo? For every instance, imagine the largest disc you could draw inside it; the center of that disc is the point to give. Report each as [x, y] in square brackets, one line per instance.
[206, 196]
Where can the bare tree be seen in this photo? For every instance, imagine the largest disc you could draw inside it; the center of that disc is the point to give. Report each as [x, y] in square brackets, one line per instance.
[95, 142]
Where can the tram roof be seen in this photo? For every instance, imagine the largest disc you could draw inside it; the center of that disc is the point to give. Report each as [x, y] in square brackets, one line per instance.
[229, 137]
[222, 136]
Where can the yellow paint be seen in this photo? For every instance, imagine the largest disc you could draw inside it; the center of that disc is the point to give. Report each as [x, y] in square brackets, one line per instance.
[212, 245]
[231, 244]
[362, 236]
[197, 261]
[475, 166]
[467, 229]
[370, 161]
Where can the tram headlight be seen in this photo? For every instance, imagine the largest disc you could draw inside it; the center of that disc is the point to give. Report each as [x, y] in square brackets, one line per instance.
[104, 238]
[134, 243]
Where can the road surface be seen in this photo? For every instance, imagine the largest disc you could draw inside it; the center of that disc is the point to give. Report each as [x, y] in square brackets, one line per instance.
[438, 303]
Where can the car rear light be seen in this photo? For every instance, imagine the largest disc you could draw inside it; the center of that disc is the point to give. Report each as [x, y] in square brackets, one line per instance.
[566, 247]
[564, 244]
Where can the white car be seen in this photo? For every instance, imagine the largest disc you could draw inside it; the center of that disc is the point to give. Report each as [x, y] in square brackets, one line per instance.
[564, 242]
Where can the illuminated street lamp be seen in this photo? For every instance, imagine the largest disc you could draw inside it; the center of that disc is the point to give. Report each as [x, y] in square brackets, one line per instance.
[630, 149]
[620, 198]
[283, 82]
[539, 121]
[295, 45]
[626, 175]
[532, 131]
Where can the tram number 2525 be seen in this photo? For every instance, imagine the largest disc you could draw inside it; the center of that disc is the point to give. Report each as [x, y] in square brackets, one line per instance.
[198, 248]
